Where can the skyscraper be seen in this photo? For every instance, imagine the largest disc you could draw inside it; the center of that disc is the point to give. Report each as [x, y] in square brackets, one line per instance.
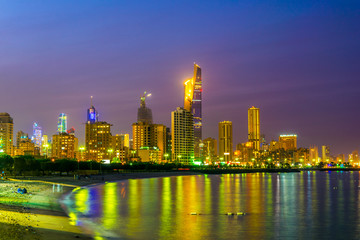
[62, 123]
[192, 103]
[225, 141]
[254, 127]
[144, 113]
[37, 135]
[182, 134]
[6, 134]
[196, 110]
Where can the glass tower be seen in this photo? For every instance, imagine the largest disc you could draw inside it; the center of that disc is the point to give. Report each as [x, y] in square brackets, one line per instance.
[196, 110]
[62, 123]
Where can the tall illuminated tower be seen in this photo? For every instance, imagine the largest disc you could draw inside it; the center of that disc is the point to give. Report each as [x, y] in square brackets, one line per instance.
[6, 134]
[92, 114]
[37, 135]
[254, 127]
[62, 123]
[192, 103]
[196, 110]
[144, 113]
[225, 141]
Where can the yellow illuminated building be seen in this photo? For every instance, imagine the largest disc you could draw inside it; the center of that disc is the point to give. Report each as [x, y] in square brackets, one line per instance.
[288, 142]
[25, 147]
[6, 134]
[313, 155]
[182, 135]
[189, 93]
[98, 140]
[225, 141]
[64, 145]
[254, 127]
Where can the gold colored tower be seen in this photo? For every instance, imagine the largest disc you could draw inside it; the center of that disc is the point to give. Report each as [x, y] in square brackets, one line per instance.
[225, 141]
[254, 127]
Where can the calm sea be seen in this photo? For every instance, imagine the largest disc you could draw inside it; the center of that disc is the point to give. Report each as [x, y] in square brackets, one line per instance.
[306, 205]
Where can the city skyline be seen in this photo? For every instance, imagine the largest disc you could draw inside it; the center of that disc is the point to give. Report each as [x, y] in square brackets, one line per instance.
[303, 79]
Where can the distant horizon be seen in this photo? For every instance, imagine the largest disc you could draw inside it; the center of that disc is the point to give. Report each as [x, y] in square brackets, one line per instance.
[297, 62]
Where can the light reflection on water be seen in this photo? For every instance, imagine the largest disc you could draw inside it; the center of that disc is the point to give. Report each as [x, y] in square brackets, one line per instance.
[306, 205]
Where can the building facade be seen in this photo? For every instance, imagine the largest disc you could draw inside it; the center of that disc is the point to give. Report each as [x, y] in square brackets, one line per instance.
[182, 133]
[6, 134]
[254, 127]
[64, 145]
[225, 141]
[288, 142]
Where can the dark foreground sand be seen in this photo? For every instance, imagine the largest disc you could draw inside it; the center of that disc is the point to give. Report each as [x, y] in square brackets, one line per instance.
[38, 214]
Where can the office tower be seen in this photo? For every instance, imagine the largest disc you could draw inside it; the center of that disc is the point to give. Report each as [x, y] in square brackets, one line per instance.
[325, 150]
[62, 123]
[192, 103]
[210, 148]
[98, 138]
[20, 135]
[196, 109]
[37, 135]
[182, 135]
[254, 127]
[313, 155]
[92, 114]
[288, 142]
[144, 113]
[6, 134]
[64, 145]
[225, 141]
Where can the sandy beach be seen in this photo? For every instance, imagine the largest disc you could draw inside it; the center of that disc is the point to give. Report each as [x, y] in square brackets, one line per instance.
[38, 214]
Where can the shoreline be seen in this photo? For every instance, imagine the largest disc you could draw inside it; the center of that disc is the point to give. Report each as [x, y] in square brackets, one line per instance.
[38, 214]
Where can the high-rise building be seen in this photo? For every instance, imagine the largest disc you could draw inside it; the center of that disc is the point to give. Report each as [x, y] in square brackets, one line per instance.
[37, 135]
[6, 134]
[64, 145]
[144, 113]
[288, 142]
[325, 150]
[254, 127]
[196, 110]
[313, 155]
[225, 141]
[62, 123]
[45, 146]
[98, 138]
[150, 136]
[192, 103]
[182, 135]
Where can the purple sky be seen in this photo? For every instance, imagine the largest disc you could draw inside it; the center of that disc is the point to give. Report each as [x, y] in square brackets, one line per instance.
[298, 62]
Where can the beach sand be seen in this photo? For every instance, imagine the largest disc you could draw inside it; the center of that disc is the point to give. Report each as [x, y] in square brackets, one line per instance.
[38, 215]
